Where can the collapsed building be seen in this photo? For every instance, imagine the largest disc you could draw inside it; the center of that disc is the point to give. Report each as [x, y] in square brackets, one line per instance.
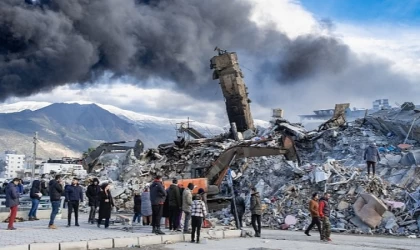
[287, 164]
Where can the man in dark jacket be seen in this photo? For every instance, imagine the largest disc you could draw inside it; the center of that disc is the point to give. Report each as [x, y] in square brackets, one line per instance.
[175, 204]
[92, 193]
[324, 214]
[35, 195]
[157, 198]
[256, 211]
[74, 194]
[12, 201]
[239, 203]
[55, 191]
[371, 157]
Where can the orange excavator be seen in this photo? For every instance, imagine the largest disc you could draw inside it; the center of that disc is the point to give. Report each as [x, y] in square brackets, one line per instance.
[214, 175]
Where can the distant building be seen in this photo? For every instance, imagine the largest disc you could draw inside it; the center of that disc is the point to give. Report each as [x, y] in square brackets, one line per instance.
[14, 164]
[351, 114]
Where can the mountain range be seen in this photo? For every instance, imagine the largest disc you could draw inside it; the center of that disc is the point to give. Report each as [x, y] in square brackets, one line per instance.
[68, 129]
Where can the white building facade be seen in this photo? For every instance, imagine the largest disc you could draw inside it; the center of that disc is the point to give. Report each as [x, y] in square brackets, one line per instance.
[14, 164]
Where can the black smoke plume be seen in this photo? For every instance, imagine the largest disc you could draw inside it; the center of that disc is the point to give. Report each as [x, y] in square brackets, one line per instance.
[48, 43]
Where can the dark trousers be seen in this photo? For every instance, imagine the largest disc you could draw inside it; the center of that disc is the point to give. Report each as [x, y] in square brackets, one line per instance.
[196, 226]
[238, 220]
[371, 164]
[256, 223]
[147, 220]
[137, 217]
[92, 213]
[73, 205]
[315, 221]
[106, 221]
[157, 211]
[173, 218]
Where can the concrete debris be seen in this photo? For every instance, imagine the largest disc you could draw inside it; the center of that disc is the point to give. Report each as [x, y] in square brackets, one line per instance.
[330, 159]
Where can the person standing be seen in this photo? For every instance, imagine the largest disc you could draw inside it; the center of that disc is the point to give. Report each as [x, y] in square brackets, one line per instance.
[137, 207]
[19, 187]
[55, 191]
[198, 213]
[324, 214]
[314, 210]
[12, 202]
[239, 203]
[74, 194]
[105, 205]
[35, 195]
[256, 211]
[203, 195]
[181, 214]
[174, 197]
[186, 205]
[92, 193]
[146, 206]
[157, 198]
[372, 157]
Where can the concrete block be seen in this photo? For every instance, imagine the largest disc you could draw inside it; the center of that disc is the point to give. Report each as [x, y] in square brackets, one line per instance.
[20, 247]
[126, 242]
[81, 245]
[232, 234]
[44, 246]
[216, 234]
[150, 240]
[100, 244]
[173, 238]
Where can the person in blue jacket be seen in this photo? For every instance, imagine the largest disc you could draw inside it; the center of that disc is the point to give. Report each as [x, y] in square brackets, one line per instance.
[12, 202]
[74, 195]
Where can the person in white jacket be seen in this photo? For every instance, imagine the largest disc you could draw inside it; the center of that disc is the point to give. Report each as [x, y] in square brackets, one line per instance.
[198, 213]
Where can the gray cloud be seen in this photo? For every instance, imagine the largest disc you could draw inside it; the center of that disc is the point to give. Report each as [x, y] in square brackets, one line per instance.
[156, 43]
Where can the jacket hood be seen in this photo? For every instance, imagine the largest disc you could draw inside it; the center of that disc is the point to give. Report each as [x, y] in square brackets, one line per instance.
[95, 180]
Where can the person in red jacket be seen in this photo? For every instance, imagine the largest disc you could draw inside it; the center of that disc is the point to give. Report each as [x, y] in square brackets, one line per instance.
[324, 214]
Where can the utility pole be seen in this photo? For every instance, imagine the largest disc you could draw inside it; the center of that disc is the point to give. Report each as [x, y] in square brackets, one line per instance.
[34, 157]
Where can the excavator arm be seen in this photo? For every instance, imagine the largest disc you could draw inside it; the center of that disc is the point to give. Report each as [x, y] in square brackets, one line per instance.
[92, 159]
[219, 168]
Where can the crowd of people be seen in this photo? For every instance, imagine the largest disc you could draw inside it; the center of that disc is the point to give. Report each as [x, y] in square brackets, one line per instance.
[177, 204]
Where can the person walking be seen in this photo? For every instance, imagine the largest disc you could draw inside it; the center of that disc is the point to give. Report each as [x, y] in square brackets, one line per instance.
[324, 214]
[198, 213]
[137, 207]
[174, 197]
[186, 205]
[105, 205]
[256, 211]
[157, 198]
[12, 202]
[74, 194]
[55, 191]
[92, 193]
[146, 206]
[372, 157]
[239, 203]
[314, 210]
[35, 195]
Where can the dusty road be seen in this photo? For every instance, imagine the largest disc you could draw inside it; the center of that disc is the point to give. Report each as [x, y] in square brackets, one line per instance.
[284, 240]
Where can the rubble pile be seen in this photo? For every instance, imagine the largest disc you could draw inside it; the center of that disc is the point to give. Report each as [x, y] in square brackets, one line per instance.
[331, 159]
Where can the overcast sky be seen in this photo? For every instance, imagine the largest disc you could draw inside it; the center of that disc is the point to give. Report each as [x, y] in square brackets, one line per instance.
[375, 55]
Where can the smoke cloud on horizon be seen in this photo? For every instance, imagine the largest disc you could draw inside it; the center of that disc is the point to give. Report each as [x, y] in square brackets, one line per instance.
[58, 42]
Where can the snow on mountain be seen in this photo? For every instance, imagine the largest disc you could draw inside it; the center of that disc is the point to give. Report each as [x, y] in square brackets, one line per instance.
[20, 106]
[139, 119]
